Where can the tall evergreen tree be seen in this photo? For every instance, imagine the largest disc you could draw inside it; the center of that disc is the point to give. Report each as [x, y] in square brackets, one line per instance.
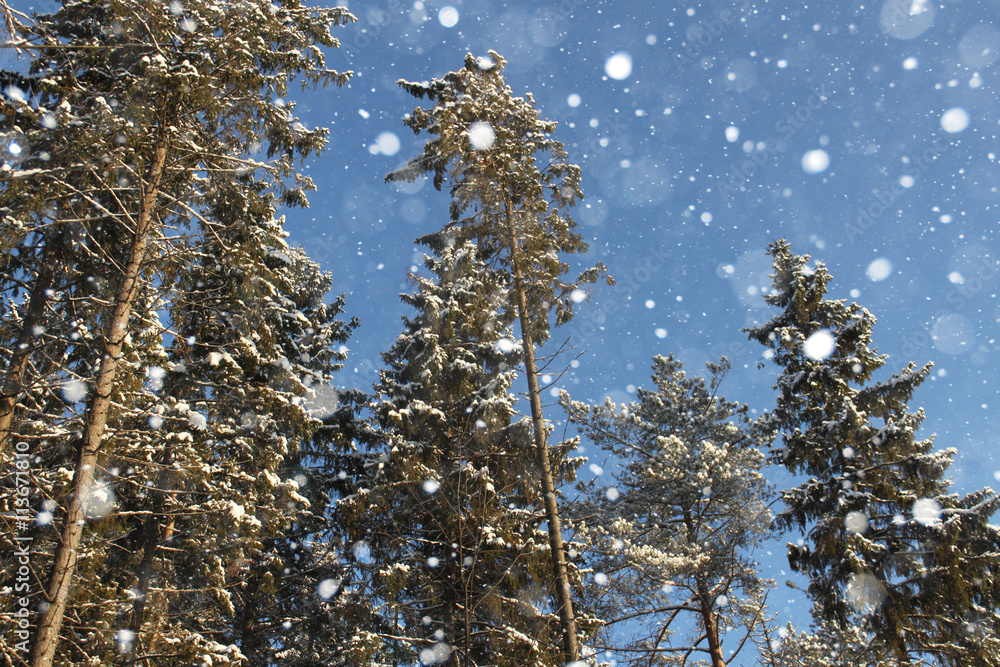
[672, 538]
[886, 545]
[139, 122]
[446, 517]
[253, 337]
[827, 645]
[511, 189]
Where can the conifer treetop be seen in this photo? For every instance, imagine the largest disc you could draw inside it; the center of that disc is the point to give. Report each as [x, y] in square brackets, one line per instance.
[686, 509]
[506, 175]
[464, 154]
[806, 317]
[208, 79]
[882, 533]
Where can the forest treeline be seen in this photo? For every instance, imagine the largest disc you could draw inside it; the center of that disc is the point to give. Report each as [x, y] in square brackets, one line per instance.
[175, 493]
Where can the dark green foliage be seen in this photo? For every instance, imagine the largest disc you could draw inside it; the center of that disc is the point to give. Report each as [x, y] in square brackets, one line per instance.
[444, 522]
[885, 545]
[487, 146]
[517, 185]
[145, 257]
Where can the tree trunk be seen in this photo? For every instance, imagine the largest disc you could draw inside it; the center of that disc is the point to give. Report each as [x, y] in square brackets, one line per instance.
[449, 626]
[152, 539]
[559, 570]
[711, 626]
[151, 544]
[14, 381]
[706, 602]
[894, 633]
[249, 636]
[64, 563]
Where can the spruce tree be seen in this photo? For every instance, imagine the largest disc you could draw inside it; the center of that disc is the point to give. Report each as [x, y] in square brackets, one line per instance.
[254, 337]
[827, 645]
[673, 536]
[886, 546]
[56, 257]
[511, 189]
[457, 552]
[139, 122]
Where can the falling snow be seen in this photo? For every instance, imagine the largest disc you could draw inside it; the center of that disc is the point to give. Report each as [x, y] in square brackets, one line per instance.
[867, 139]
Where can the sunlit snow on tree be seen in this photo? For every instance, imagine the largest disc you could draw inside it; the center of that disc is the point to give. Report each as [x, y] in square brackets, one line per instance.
[505, 345]
[197, 421]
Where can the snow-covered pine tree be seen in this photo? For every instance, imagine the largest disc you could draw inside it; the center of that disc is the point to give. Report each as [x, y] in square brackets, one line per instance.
[62, 251]
[825, 645]
[53, 279]
[320, 613]
[198, 465]
[56, 289]
[136, 118]
[253, 337]
[444, 520]
[511, 189]
[886, 546]
[310, 613]
[671, 540]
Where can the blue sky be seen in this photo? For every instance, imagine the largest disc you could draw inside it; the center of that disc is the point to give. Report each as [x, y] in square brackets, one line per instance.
[865, 133]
